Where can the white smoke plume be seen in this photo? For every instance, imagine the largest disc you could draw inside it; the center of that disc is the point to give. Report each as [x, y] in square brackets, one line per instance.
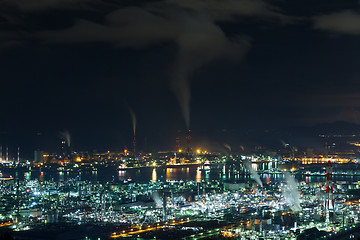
[200, 41]
[253, 173]
[65, 136]
[155, 196]
[133, 117]
[227, 146]
[291, 193]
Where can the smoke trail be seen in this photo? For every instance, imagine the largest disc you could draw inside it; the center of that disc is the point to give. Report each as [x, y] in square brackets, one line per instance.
[133, 117]
[182, 92]
[200, 41]
[65, 135]
[253, 173]
[291, 193]
[227, 146]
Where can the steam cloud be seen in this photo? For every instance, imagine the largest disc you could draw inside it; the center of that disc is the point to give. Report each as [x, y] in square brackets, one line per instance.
[155, 196]
[253, 173]
[227, 146]
[200, 41]
[65, 136]
[283, 143]
[133, 117]
[291, 193]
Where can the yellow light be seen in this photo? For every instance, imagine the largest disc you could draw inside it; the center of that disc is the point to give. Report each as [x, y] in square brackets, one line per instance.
[198, 151]
[180, 150]
[78, 159]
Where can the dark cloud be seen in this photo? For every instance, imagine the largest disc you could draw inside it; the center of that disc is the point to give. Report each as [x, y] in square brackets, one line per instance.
[128, 27]
[345, 22]
[42, 5]
[228, 9]
[10, 39]
[199, 40]
[350, 115]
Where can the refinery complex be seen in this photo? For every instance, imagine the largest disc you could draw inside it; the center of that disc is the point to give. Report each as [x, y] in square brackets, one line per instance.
[183, 194]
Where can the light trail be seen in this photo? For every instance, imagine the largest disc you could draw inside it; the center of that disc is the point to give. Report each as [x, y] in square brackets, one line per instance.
[124, 234]
[6, 224]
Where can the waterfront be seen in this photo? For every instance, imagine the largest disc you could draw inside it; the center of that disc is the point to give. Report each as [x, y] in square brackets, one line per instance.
[218, 172]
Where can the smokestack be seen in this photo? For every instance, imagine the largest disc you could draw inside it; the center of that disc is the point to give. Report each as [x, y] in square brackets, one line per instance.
[188, 142]
[134, 144]
[7, 153]
[133, 117]
[177, 144]
[18, 155]
[1, 153]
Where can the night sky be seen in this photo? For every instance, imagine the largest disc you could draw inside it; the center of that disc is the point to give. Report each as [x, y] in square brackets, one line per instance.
[219, 67]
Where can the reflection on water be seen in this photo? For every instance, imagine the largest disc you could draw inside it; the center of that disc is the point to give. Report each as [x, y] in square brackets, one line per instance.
[154, 175]
[198, 175]
[168, 173]
[189, 173]
[122, 175]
